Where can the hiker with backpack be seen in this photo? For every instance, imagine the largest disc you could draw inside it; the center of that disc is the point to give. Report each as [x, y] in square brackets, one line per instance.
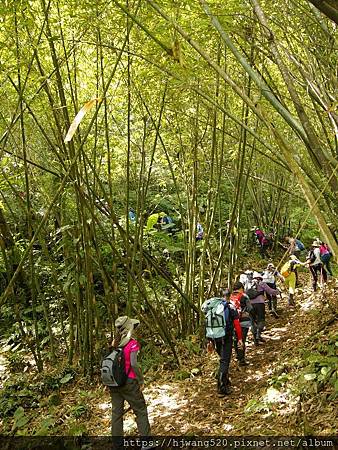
[315, 264]
[325, 256]
[294, 246]
[246, 316]
[200, 232]
[221, 319]
[166, 223]
[262, 241]
[289, 273]
[132, 215]
[256, 296]
[270, 276]
[121, 373]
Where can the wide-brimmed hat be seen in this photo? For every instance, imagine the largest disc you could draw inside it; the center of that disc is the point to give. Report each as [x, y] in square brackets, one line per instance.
[125, 325]
[316, 243]
[257, 275]
[248, 272]
[270, 265]
[293, 257]
[125, 322]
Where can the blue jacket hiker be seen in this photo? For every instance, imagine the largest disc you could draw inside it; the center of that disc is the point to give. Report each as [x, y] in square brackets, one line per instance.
[221, 319]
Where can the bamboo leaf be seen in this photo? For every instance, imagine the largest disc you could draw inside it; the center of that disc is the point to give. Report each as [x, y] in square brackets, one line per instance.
[66, 378]
[79, 116]
[310, 376]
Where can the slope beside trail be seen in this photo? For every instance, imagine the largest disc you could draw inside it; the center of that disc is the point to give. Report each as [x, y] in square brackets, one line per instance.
[191, 406]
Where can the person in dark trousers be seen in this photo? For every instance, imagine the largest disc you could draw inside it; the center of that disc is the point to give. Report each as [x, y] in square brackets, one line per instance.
[316, 265]
[132, 390]
[325, 256]
[223, 345]
[258, 304]
[246, 316]
[262, 241]
[270, 276]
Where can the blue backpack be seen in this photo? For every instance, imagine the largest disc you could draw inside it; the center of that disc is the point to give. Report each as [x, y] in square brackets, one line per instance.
[300, 245]
[217, 313]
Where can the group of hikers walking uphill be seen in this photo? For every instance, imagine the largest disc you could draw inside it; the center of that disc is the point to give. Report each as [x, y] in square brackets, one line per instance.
[229, 319]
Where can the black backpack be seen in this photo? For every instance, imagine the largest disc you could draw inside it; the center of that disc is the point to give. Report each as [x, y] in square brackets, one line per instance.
[113, 369]
[311, 256]
[253, 293]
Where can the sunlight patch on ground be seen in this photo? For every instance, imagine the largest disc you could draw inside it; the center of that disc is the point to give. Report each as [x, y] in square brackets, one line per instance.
[274, 396]
[280, 329]
[104, 406]
[308, 303]
[164, 400]
[284, 400]
[258, 375]
[275, 338]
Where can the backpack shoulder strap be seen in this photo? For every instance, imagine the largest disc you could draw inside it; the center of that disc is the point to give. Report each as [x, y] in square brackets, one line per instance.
[226, 311]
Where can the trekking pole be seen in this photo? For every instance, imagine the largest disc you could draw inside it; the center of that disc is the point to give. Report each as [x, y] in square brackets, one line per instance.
[321, 277]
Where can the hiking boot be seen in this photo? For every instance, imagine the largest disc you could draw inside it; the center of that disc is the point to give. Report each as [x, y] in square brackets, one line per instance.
[261, 339]
[291, 300]
[228, 390]
[224, 390]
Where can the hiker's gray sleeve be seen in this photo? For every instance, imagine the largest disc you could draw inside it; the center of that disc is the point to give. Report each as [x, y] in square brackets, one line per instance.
[248, 305]
[136, 368]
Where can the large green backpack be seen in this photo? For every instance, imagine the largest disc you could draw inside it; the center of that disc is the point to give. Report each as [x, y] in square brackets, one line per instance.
[216, 312]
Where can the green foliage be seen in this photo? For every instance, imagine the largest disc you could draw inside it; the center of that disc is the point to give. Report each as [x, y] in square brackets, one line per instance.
[74, 428]
[152, 220]
[16, 362]
[151, 357]
[179, 158]
[20, 393]
[79, 410]
[312, 370]
[45, 426]
[182, 375]
[23, 393]
[54, 399]
[193, 345]
[66, 378]
[254, 406]
[279, 381]
[20, 419]
[320, 367]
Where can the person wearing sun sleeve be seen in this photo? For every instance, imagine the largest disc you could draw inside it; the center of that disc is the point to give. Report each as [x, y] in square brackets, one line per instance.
[132, 390]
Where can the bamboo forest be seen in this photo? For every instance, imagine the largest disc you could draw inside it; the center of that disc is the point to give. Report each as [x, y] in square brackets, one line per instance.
[168, 223]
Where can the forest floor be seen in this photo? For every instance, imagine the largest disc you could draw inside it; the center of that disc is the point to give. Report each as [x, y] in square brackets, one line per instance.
[266, 399]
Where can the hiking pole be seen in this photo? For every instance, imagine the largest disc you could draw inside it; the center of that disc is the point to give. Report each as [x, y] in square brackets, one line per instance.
[321, 277]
